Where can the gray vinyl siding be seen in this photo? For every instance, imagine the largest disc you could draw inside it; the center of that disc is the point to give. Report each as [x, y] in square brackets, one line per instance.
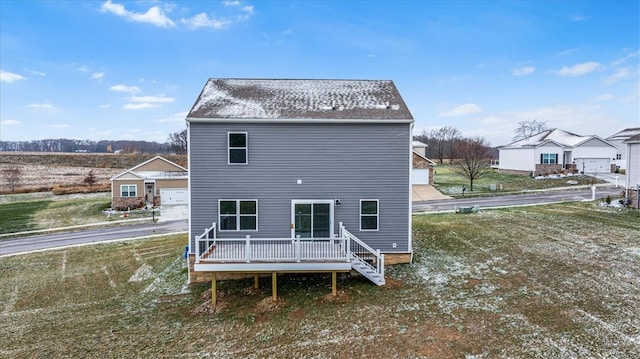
[346, 161]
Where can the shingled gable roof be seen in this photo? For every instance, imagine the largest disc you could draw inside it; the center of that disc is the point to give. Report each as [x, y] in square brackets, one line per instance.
[557, 136]
[290, 99]
[624, 134]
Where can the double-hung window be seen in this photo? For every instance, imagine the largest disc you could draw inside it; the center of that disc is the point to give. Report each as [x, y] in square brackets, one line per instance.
[128, 190]
[237, 144]
[238, 215]
[369, 214]
[548, 158]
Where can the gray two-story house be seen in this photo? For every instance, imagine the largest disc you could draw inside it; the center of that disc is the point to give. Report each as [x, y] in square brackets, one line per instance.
[299, 175]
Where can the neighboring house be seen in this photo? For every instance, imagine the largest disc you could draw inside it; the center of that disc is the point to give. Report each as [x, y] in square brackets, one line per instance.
[632, 183]
[299, 176]
[422, 172]
[555, 151]
[618, 139]
[152, 183]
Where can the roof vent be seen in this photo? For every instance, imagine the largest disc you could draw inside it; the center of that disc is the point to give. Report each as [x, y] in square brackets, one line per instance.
[387, 105]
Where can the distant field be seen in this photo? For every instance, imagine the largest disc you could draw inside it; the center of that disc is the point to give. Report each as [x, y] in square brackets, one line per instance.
[447, 181]
[42, 171]
[558, 281]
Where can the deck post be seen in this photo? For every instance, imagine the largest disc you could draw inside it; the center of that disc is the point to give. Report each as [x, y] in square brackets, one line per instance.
[274, 285]
[255, 280]
[195, 238]
[334, 283]
[213, 291]
[247, 249]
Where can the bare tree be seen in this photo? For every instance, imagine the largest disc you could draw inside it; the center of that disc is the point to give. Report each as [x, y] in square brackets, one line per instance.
[529, 128]
[442, 140]
[12, 175]
[178, 141]
[473, 158]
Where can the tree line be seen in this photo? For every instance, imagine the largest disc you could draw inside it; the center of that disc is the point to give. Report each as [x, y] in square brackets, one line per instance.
[173, 145]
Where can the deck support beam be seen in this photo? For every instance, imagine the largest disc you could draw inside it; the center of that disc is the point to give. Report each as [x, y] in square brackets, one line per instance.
[213, 291]
[255, 281]
[334, 283]
[274, 285]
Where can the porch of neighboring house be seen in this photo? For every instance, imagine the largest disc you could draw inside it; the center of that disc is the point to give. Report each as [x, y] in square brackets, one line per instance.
[343, 253]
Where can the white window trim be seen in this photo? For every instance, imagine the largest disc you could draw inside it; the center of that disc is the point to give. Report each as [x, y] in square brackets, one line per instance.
[377, 215]
[331, 203]
[128, 185]
[238, 215]
[246, 148]
[555, 157]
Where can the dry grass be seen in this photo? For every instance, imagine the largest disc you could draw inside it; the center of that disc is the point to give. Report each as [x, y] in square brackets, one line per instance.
[543, 282]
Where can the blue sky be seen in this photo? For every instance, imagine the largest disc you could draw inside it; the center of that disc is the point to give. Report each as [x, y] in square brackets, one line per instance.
[132, 69]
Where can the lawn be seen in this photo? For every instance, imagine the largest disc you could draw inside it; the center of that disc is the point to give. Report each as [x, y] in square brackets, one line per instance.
[547, 281]
[447, 181]
[28, 212]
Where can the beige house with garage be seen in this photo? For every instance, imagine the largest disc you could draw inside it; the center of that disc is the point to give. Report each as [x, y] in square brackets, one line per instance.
[154, 182]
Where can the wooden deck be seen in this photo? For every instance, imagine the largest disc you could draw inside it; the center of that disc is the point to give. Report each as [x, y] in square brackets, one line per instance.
[251, 255]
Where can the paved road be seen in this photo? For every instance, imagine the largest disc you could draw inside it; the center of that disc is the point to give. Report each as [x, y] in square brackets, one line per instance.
[54, 240]
[515, 200]
[11, 246]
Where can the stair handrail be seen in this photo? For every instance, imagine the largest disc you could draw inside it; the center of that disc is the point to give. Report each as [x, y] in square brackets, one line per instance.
[208, 235]
[379, 267]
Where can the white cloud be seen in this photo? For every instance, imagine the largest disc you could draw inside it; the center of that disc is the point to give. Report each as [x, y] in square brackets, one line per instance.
[139, 106]
[524, 70]
[466, 109]
[604, 97]
[83, 69]
[37, 73]
[621, 73]
[579, 69]
[202, 20]
[59, 125]
[6, 76]
[43, 107]
[105, 106]
[231, 3]
[152, 99]
[626, 57]
[125, 88]
[578, 18]
[177, 117]
[153, 16]
[97, 75]
[9, 122]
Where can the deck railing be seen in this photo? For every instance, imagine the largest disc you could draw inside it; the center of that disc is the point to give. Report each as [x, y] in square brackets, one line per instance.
[363, 253]
[247, 250]
[206, 241]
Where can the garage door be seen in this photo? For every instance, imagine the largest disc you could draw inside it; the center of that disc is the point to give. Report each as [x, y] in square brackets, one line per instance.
[420, 176]
[174, 196]
[593, 165]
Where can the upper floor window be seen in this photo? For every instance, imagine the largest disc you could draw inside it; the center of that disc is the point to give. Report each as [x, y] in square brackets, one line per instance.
[548, 158]
[369, 215]
[128, 190]
[237, 148]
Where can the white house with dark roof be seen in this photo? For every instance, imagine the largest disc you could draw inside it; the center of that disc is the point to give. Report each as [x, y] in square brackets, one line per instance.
[618, 139]
[557, 150]
[632, 173]
[294, 175]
